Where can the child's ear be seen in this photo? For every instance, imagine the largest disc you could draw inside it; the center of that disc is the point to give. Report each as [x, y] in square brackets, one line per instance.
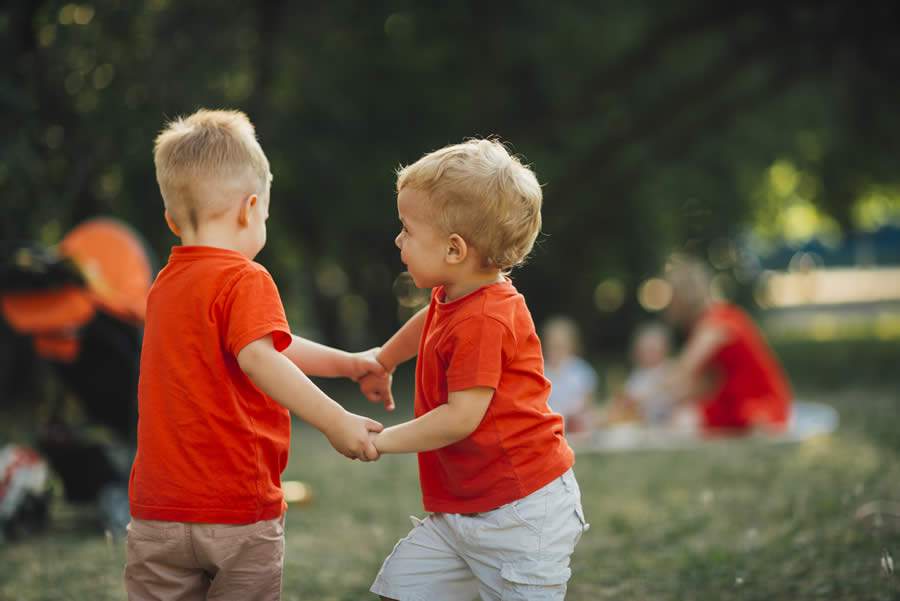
[457, 249]
[171, 223]
[244, 212]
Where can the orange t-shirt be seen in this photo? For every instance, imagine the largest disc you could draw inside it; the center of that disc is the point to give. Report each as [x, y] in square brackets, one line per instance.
[752, 389]
[487, 338]
[211, 446]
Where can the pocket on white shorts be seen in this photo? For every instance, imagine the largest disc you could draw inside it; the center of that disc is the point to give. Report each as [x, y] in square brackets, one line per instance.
[579, 513]
[534, 580]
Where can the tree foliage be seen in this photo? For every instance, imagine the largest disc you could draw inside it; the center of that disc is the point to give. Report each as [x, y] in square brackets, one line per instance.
[651, 124]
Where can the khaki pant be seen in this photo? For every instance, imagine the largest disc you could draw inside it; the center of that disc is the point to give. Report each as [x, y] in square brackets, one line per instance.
[176, 561]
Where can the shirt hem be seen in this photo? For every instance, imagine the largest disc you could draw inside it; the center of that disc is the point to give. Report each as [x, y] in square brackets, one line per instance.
[281, 336]
[206, 515]
[484, 504]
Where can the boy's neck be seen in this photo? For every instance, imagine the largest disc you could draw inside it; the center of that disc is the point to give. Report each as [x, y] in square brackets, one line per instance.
[469, 284]
[214, 237]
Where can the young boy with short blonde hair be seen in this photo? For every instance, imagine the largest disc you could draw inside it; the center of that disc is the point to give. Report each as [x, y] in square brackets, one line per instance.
[494, 466]
[219, 372]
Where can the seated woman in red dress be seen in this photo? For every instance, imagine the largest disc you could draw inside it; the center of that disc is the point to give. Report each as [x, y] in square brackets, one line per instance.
[726, 363]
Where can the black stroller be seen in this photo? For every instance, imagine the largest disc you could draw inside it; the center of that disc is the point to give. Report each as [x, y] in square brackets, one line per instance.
[81, 306]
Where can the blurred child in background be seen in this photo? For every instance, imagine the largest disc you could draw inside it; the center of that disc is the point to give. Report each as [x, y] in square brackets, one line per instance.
[645, 397]
[574, 380]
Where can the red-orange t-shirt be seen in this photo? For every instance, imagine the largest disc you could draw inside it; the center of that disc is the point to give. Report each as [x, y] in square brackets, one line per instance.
[211, 446]
[487, 339]
[752, 388]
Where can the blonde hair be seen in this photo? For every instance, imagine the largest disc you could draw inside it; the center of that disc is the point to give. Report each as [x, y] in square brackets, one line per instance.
[482, 193]
[204, 160]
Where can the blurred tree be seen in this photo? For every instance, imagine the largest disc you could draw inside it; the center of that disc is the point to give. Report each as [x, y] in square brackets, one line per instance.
[650, 123]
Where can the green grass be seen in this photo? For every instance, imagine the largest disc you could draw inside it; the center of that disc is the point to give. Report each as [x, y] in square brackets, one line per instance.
[737, 522]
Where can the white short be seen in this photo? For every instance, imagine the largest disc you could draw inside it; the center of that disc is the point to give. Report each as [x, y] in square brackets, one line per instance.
[517, 552]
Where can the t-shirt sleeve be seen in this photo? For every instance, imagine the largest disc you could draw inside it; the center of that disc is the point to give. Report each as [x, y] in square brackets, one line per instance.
[252, 309]
[475, 353]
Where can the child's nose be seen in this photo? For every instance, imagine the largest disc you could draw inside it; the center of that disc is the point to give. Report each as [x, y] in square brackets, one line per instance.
[397, 240]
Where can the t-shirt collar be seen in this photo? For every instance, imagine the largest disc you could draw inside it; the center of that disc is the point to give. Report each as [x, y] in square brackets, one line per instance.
[188, 253]
[443, 305]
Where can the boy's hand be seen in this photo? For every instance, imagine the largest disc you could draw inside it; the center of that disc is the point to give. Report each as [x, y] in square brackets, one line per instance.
[377, 388]
[364, 363]
[372, 437]
[375, 442]
[350, 436]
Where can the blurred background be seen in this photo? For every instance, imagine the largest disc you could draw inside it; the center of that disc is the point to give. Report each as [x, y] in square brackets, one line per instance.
[742, 132]
[762, 137]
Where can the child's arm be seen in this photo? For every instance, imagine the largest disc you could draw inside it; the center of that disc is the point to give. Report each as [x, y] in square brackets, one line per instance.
[403, 346]
[682, 380]
[278, 377]
[316, 359]
[440, 427]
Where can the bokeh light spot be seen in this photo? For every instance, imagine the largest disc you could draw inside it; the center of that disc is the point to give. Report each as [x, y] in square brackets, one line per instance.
[609, 295]
[655, 294]
[406, 292]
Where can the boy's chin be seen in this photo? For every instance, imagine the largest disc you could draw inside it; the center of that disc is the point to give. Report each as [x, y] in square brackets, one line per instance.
[423, 281]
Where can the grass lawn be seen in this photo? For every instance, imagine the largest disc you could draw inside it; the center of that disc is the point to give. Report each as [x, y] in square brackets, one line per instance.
[734, 521]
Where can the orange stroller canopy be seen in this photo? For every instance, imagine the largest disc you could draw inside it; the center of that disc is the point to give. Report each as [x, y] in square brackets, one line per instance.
[116, 272]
